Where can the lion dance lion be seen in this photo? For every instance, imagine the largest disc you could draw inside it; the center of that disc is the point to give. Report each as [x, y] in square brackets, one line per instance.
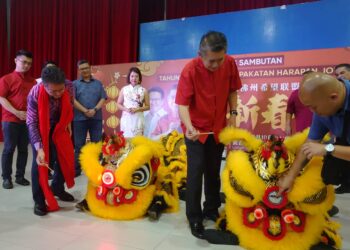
[254, 216]
[127, 178]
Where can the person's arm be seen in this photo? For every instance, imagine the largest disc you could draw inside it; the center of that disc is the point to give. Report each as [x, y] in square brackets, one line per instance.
[342, 152]
[79, 106]
[100, 104]
[285, 183]
[33, 121]
[92, 112]
[191, 132]
[232, 101]
[8, 106]
[288, 124]
[120, 102]
[303, 156]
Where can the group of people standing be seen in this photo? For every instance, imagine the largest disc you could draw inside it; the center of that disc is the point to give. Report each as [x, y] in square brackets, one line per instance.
[42, 112]
[208, 84]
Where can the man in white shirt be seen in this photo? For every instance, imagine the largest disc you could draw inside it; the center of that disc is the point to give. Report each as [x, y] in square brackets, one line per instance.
[156, 98]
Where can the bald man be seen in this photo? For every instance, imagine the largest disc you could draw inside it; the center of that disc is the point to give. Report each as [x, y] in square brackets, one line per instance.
[329, 100]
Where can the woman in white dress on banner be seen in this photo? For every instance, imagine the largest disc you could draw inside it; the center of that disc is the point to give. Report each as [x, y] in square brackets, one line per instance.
[133, 100]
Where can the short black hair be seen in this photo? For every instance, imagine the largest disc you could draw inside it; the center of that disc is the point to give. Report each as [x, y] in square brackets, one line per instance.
[47, 63]
[345, 65]
[214, 41]
[23, 52]
[137, 71]
[82, 61]
[157, 89]
[53, 75]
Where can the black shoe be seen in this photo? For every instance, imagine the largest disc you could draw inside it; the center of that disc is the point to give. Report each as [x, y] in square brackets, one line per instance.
[333, 211]
[344, 188]
[22, 181]
[82, 206]
[64, 196]
[220, 237]
[197, 229]
[40, 210]
[7, 184]
[211, 216]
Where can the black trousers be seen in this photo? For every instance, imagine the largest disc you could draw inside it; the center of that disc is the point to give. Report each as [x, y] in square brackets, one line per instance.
[57, 184]
[203, 160]
[15, 136]
[335, 171]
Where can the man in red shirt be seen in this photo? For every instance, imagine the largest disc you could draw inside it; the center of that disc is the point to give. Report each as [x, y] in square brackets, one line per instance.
[207, 85]
[14, 89]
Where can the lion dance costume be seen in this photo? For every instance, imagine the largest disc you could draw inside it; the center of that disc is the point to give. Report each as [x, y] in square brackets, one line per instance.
[255, 215]
[127, 178]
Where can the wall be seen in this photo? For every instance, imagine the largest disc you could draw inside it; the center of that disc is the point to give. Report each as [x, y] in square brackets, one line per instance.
[323, 24]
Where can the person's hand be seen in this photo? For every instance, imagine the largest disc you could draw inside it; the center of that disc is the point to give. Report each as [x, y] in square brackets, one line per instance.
[311, 149]
[22, 115]
[231, 122]
[285, 183]
[192, 134]
[90, 113]
[40, 158]
[131, 110]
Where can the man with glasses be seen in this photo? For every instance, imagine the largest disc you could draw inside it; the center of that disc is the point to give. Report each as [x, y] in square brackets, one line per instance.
[50, 112]
[156, 99]
[89, 97]
[14, 89]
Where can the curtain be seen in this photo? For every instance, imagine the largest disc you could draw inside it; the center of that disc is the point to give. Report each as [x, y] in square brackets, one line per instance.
[100, 31]
[4, 65]
[153, 10]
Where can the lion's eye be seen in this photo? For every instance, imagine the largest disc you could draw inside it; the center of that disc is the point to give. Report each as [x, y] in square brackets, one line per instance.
[142, 176]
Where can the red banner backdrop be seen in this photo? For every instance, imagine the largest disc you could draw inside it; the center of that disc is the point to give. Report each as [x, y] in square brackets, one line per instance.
[268, 79]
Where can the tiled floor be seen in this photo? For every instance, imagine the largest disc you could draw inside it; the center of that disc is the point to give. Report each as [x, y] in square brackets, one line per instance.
[68, 229]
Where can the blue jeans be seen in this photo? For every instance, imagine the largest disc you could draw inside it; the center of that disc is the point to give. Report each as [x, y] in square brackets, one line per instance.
[94, 127]
[15, 135]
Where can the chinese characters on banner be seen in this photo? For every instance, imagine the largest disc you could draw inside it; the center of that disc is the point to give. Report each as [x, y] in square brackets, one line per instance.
[267, 78]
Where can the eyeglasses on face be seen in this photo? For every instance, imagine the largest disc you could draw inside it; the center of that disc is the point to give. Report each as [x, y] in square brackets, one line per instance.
[24, 62]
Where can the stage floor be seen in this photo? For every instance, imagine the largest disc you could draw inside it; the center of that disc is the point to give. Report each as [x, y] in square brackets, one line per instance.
[68, 229]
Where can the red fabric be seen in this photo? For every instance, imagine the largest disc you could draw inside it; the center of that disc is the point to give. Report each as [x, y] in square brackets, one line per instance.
[303, 115]
[4, 65]
[61, 139]
[151, 10]
[187, 8]
[103, 32]
[206, 93]
[15, 88]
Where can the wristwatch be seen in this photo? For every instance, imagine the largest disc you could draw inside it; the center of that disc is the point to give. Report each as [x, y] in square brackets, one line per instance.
[329, 148]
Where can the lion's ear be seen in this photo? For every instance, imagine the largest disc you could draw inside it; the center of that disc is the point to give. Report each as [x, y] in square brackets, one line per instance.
[294, 142]
[230, 134]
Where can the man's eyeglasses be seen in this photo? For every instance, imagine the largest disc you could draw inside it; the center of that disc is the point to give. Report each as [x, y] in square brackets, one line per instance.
[25, 62]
